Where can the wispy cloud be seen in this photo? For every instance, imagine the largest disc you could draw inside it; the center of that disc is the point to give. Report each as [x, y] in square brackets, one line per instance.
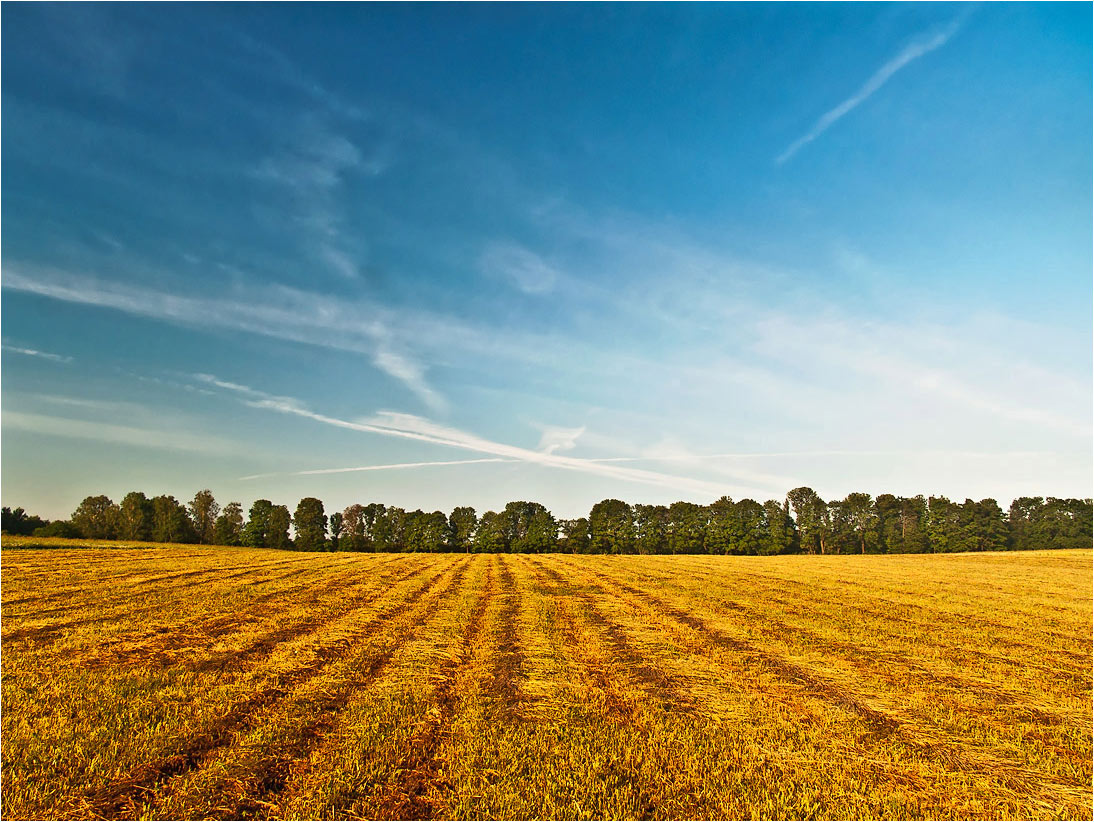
[106, 406]
[272, 311]
[127, 435]
[669, 450]
[519, 267]
[389, 467]
[271, 62]
[913, 51]
[834, 452]
[43, 355]
[559, 439]
[311, 169]
[407, 371]
[316, 159]
[913, 362]
[410, 426]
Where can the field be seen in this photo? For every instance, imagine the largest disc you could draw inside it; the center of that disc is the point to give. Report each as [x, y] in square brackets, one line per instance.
[183, 682]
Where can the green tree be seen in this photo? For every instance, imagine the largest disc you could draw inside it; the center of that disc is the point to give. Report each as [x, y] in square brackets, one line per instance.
[810, 519]
[170, 522]
[840, 536]
[97, 518]
[336, 524]
[888, 508]
[913, 519]
[426, 532]
[1025, 516]
[750, 528]
[310, 524]
[257, 530]
[901, 524]
[529, 528]
[58, 528]
[135, 517]
[353, 527]
[575, 536]
[984, 526]
[393, 525]
[413, 532]
[1037, 523]
[376, 527]
[20, 522]
[278, 535]
[651, 529]
[542, 534]
[944, 526]
[721, 526]
[490, 536]
[203, 514]
[461, 528]
[228, 528]
[780, 528]
[687, 528]
[863, 520]
[1065, 523]
[611, 527]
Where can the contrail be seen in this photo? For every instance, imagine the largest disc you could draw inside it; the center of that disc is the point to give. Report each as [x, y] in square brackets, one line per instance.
[373, 468]
[879, 78]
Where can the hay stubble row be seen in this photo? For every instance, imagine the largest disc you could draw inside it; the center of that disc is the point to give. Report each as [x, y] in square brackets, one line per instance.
[192, 683]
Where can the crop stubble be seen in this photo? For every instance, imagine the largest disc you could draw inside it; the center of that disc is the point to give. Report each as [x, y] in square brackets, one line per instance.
[253, 684]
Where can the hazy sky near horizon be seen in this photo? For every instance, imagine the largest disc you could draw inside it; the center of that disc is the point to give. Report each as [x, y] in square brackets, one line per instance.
[435, 255]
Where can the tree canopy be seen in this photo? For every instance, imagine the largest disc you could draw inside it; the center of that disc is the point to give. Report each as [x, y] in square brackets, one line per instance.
[803, 522]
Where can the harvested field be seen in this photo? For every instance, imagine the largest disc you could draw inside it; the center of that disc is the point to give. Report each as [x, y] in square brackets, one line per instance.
[181, 682]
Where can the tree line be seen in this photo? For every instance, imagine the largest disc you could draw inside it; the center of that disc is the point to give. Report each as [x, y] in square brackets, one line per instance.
[801, 523]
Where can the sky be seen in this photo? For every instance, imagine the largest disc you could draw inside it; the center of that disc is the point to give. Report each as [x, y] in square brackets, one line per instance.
[437, 255]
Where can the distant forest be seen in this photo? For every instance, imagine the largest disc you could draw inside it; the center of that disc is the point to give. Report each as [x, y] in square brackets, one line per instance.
[802, 523]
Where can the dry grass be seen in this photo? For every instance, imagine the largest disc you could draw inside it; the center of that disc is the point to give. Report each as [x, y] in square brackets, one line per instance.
[183, 682]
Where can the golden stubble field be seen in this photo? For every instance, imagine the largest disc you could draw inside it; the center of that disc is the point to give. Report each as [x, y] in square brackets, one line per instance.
[179, 682]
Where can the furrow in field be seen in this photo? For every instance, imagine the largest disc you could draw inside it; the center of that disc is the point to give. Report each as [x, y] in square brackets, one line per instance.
[187, 643]
[1015, 777]
[1030, 609]
[867, 649]
[71, 595]
[659, 685]
[123, 612]
[121, 568]
[354, 566]
[256, 785]
[123, 797]
[420, 770]
[828, 584]
[876, 624]
[263, 646]
[594, 668]
[67, 593]
[955, 629]
[985, 704]
[1072, 674]
[54, 560]
[881, 589]
[508, 660]
[978, 711]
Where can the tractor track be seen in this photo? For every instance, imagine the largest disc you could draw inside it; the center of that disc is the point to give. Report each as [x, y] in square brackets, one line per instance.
[420, 769]
[121, 798]
[667, 690]
[1015, 777]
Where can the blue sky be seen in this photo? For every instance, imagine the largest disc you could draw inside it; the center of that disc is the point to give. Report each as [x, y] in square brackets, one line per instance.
[558, 253]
